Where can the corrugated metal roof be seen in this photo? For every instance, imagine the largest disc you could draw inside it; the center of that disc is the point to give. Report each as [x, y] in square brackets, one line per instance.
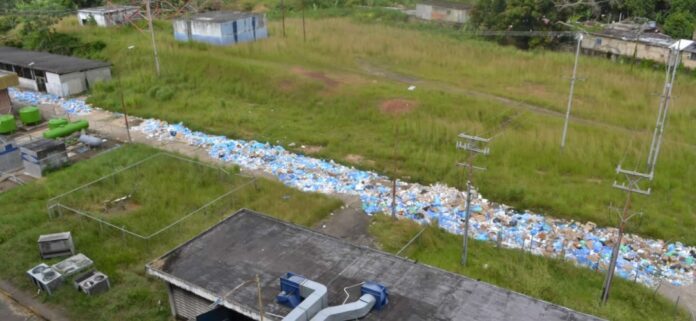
[248, 244]
[108, 9]
[45, 61]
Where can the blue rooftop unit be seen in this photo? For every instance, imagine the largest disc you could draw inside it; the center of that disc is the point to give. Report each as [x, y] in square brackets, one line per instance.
[221, 27]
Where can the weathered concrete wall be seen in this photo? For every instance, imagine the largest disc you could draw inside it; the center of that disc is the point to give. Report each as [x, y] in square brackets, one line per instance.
[108, 19]
[53, 85]
[182, 30]
[230, 32]
[28, 83]
[96, 75]
[5, 102]
[437, 13]
[626, 48]
[689, 60]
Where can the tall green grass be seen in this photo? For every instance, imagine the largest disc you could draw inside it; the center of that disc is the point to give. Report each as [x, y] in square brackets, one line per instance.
[133, 296]
[544, 278]
[263, 91]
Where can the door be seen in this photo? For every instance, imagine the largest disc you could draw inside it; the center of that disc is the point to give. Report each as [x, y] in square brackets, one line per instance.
[41, 83]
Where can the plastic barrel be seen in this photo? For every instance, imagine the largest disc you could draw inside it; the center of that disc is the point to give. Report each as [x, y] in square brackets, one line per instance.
[7, 124]
[66, 129]
[30, 115]
[57, 122]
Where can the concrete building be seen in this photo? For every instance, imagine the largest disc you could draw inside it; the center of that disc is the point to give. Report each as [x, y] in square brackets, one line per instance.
[7, 80]
[635, 40]
[436, 10]
[109, 15]
[221, 27]
[216, 272]
[56, 74]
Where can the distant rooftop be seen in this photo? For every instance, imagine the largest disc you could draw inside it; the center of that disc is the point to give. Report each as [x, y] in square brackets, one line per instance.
[220, 16]
[106, 9]
[45, 61]
[248, 243]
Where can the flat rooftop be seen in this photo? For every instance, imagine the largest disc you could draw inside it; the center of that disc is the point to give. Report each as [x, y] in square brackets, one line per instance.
[248, 243]
[49, 62]
[220, 16]
[108, 9]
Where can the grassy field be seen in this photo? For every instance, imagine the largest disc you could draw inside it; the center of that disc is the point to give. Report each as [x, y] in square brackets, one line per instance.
[548, 279]
[133, 296]
[334, 93]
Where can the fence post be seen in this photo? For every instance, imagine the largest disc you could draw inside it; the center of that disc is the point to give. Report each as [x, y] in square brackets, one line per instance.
[499, 241]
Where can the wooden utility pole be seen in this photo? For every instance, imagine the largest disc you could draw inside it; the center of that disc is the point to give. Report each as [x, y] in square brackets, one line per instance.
[282, 9]
[152, 35]
[474, 145]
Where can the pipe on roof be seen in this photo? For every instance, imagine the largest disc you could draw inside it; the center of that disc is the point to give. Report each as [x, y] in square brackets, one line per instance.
[349, 311]
[315, 299]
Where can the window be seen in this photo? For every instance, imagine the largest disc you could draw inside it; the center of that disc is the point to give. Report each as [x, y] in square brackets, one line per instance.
[692, 56]
[598, 41]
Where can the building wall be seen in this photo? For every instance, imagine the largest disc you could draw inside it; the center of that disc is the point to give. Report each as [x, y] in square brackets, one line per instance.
[626, 48]
[689, 60]
[231, 32]
[437, 13]
[185, 304]
[108, 19]
[27, 83]
[96, 75]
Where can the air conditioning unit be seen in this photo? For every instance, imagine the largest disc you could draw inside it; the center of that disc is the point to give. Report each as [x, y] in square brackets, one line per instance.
[73, 265]
[45, 278]
[55, 245]
[93, 283]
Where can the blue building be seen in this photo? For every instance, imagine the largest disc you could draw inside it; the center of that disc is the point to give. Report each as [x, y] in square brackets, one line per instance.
[221, 27]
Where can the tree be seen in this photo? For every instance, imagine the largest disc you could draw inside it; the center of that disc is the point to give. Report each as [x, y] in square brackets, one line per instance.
[680, 25]
[683, 6]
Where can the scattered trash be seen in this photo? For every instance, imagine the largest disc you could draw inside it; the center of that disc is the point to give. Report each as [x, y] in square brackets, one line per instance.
[71, 106]
[411, 88]
[644, 260]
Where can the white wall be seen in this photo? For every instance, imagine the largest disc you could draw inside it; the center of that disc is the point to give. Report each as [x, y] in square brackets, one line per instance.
[206, 28]
[73, 83]
[28, 83]
[53, 85]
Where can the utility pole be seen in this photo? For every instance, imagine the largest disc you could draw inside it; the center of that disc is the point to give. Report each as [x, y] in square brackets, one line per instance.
[579, 37]
[632, 185]
[671, 73]
[152, 35]
[304, 31]
[282, 9]
[123, 103]
[474, 145]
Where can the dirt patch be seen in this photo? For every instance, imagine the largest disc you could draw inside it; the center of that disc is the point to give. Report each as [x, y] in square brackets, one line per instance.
[316, 75]
[359, 159]
[312, 149]
[397, 106]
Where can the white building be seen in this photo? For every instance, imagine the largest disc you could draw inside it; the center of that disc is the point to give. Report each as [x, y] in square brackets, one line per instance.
[437, 10]
[56, 74]
[221, 27]
[108, 16]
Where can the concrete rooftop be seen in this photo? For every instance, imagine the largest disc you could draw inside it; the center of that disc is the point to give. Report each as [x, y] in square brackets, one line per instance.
[49, 62]
[249, 243]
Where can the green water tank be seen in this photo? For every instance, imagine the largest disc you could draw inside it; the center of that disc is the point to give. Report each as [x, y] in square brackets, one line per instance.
[57, 122]
[30, 115]
[7, 124]
[66, 129]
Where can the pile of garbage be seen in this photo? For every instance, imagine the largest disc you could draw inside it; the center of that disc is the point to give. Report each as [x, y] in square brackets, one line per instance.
[644, 260]
[73, 106]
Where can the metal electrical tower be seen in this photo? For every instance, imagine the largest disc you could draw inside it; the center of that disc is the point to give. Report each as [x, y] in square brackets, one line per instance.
[672, 65]
[474, 145]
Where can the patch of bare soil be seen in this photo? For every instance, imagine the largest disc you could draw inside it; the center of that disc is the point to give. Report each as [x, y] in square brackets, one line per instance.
[359, 159]
[312, 149]
[316, 75]
[397, 106]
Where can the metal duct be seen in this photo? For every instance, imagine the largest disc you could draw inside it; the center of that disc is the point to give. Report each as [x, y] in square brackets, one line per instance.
[349, 311]
[315, 299]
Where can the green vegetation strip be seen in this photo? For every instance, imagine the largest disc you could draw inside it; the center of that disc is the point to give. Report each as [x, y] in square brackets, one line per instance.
[342, 95]
[547, 279]
[134, 296]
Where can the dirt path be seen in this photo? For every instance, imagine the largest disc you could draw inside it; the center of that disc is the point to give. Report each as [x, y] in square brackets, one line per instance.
[348, 223]
[17, 305]
[685, 294]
